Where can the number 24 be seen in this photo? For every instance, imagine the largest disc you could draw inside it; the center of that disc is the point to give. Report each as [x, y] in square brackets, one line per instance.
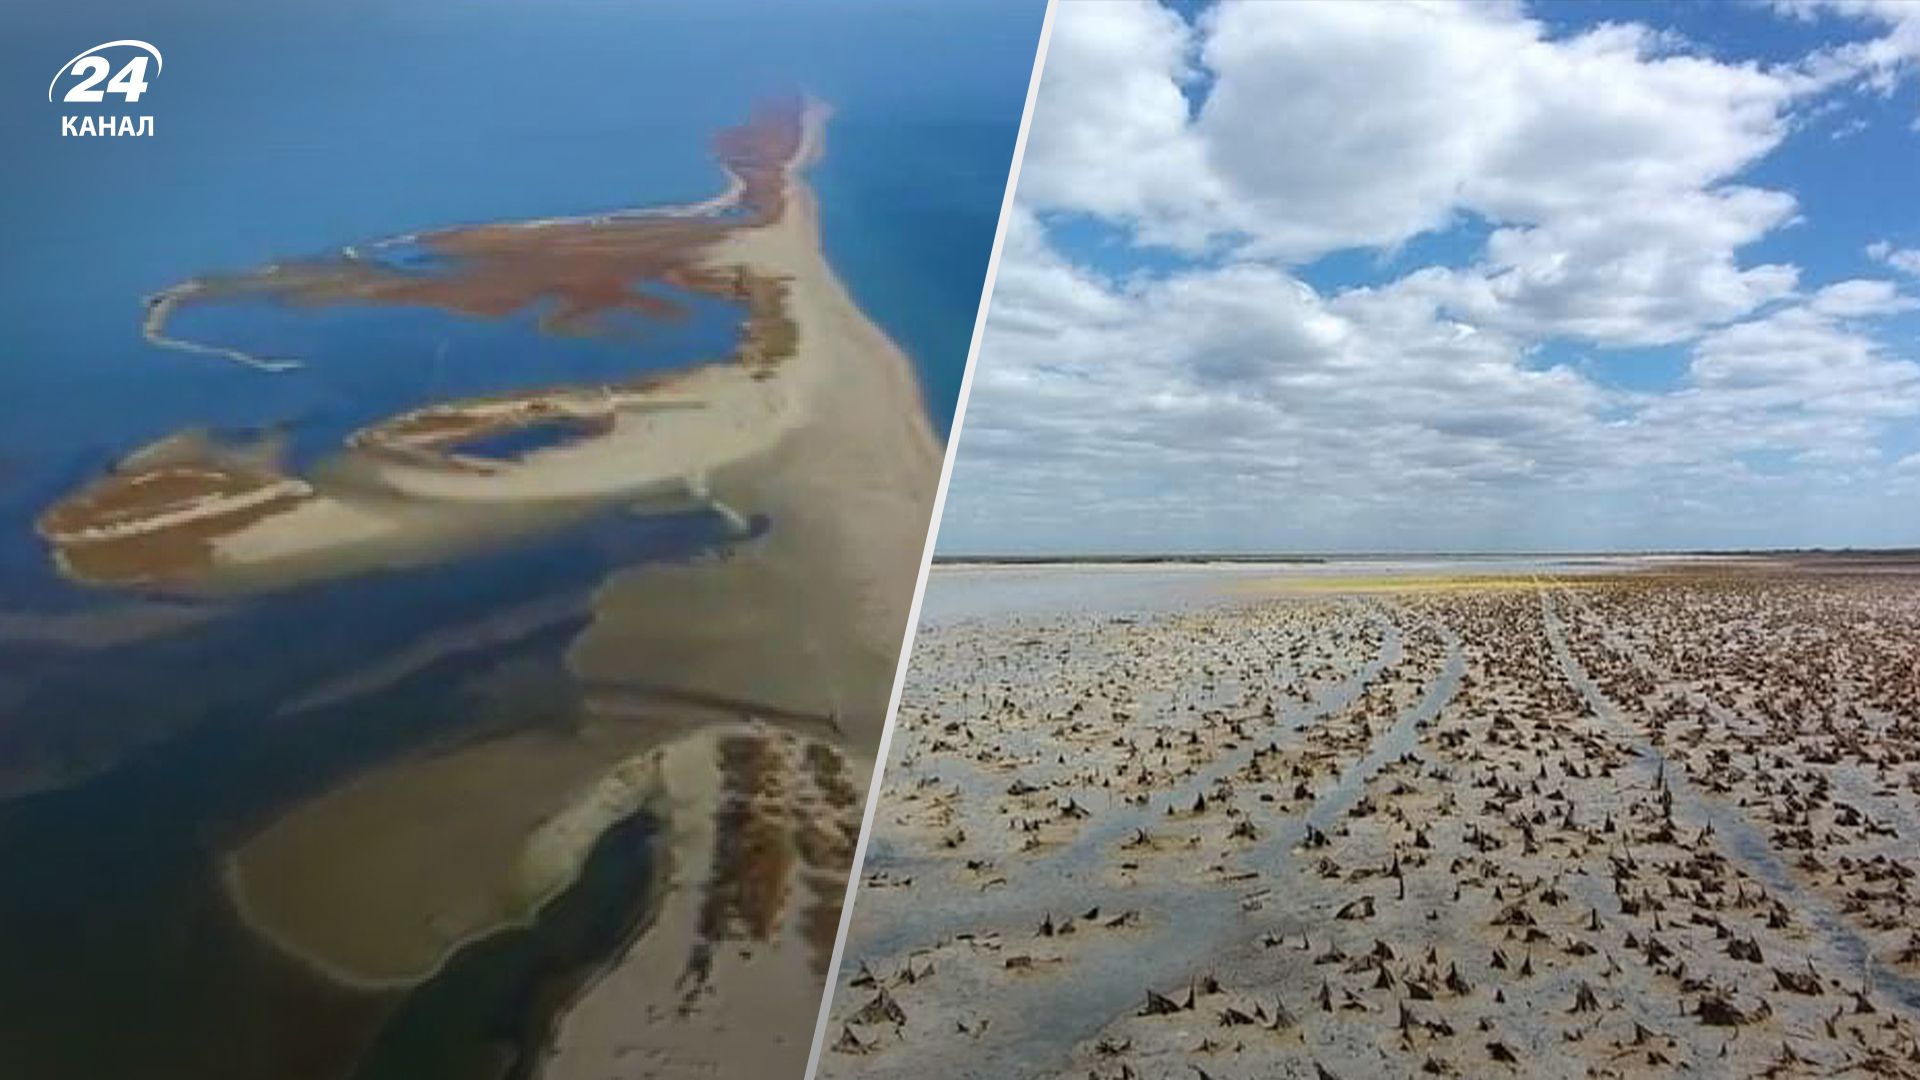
[129, 82]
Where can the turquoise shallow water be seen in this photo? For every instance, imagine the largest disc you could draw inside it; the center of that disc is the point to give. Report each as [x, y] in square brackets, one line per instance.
[287, 131]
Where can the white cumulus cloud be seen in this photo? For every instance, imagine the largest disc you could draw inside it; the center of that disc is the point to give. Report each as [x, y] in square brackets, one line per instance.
[1573, 194]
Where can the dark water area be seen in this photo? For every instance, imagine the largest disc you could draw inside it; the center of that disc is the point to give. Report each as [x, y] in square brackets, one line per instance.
[82, 722]
[518, 442]
[485, 1016]
[123, 914]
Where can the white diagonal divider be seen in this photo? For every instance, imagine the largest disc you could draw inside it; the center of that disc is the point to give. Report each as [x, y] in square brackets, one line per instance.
[926, 554]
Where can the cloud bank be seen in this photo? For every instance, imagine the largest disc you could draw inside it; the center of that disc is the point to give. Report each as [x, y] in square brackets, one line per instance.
[1558, 335]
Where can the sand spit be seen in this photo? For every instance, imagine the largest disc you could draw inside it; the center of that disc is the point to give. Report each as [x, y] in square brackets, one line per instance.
[802, 624]
[377, 882]
[1439, 831]
[736, 698]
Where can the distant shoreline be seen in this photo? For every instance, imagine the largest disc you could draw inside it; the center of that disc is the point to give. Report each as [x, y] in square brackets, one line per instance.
[1252, 559]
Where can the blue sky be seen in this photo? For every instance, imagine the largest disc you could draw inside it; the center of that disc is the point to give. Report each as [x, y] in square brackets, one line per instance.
[1376, 277]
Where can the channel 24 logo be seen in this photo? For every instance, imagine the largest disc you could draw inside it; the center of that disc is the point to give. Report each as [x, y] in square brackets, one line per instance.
[126, 79]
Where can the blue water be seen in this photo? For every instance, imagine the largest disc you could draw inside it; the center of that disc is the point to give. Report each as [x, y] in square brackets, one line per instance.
[519, 442]
[287, 131]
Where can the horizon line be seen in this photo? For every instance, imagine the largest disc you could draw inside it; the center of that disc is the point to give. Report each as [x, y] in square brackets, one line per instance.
[1298, 556]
